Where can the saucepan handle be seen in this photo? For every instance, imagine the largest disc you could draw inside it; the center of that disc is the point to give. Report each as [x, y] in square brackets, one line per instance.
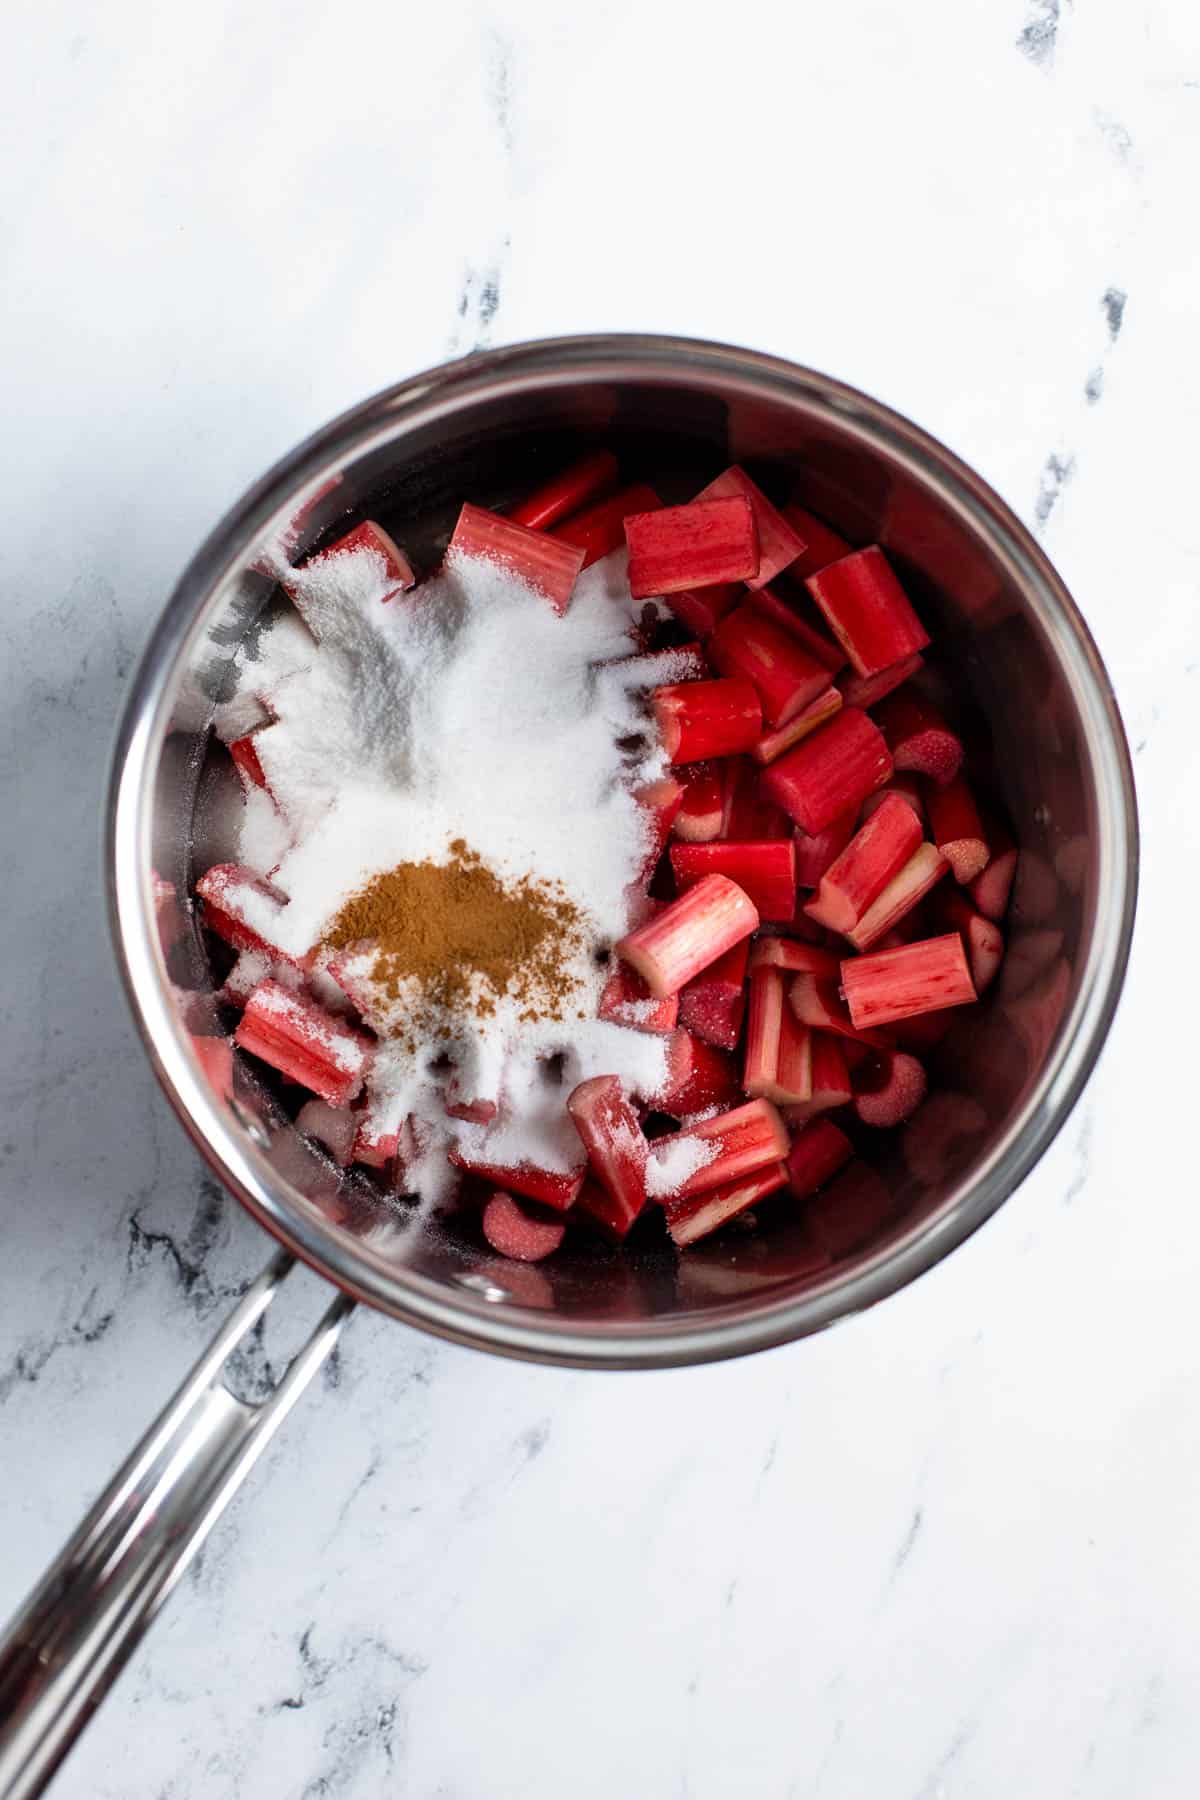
[72, 1637]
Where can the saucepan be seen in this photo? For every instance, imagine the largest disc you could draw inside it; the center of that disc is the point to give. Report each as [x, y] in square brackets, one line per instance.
[487, 429]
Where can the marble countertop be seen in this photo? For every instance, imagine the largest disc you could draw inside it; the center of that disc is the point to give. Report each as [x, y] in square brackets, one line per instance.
[946, 1550]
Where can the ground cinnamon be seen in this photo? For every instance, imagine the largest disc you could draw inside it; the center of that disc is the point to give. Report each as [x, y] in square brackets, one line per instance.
[455, 938]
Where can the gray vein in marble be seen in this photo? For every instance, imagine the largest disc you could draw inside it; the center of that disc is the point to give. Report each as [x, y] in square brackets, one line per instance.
[1115, 135]
[1083, 1152]
[1113, 302]
[1093, 387]
[933, 1787]
[907, 1544]
[1056, 473]
[1039, 34]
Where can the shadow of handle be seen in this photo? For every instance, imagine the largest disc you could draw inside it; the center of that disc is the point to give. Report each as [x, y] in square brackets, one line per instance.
[68, 1643]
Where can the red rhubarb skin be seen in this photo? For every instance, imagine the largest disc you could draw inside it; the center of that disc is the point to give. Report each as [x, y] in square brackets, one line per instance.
[779, 543]
[814, 854]
[786, 953]
[829, 1077]
[784, 613]
[217, 888]
[772, 744]
[371, 536]
[699, 818]
[830, 773]
[868, 611]
[611, 1134]
[698, 545]
[699, 610]
[699, 720]
[549, 568]
[600, 529]
[746, 1138]
[982, 939]
[627, 1001]
[822, 544]
[554, 1189]
[712, 1006]
[894, 984]
[921, 873]
[582, 481]
[957, 829]
[919, 738]
[297, 1037]
[244, 752]
[765, 870]
[749, 816]
[877, 852]
[689, 1220]
[698, 1076]
[513, 1231]
[778, 1063]
[866, 691]
[671, 948]
[818, 1004]
[660, 802]
[816, 1155]
[785, 676]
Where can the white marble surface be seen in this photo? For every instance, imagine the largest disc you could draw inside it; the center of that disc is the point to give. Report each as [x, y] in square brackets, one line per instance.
[947, 1550]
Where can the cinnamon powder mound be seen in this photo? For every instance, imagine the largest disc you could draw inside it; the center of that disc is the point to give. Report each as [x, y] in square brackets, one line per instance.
[464, 938]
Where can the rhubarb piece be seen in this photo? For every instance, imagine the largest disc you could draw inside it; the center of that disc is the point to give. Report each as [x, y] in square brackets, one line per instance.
[305, 1043]
[737, 1143]
[894, 984]
[600, 529]
[748, 814]
[747, 643]
[701, 719]
[868, 611]
[991, 890]
[711, 1006]
[919, 738]
[702, 809]
[829, 773]
[829, 1078]
[627, 1001]
[822, 545]
[817, 1003]
[215, 1056]
[874, 855]
[692, 546]
[367, 536]
[244, 909]
[772, 744]
[334, 1126]
[373, 1147]
[698, 1076]
[779, 543]
[688, 1220]
[699, 609]
[581, 481]
[513, 1231]
[816, 1155]
[765, 871]
[867, 690]
[785, 613]
[888, 1088]
[923, 870]
[660, 802]
[552, 1187]
[907, 787]
[814, 854]
[785, 953]
[852, 1211]
[668, 950]
[245, 755]
[982, 939]
[611, 1134]
[778, 1063]
[461, 1104]
[550, 568]
[957, 831]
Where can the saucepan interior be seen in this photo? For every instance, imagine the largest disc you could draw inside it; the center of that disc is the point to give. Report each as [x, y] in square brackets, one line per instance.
[487, 429]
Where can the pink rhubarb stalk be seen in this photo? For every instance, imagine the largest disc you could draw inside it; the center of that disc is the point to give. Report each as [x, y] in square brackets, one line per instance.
[627, 1001]
[923, 870]
[830, 772]
[698, 720]
[700, 815]
[692, 546]
[778, 1064]
[700, 609]
[957, 830]
[816, 1155]
[786, 678]
[875, 854]
[772, 744]
[868, 611]
[611, 1133]
[549, 568]
[513, 1231]
[552, 1187]
[671, 948]
[765, 871]
[698, 1076]
[711, 1006]
[779, 543]
[894, 984]
[688, 1220]
[305, 1043]
[867, 690]
[600, 529]
[822, 544]
[740, 1141]
[577, 484]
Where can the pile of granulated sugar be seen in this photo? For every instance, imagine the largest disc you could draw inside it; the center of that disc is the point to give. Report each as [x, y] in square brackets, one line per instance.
[466, 712]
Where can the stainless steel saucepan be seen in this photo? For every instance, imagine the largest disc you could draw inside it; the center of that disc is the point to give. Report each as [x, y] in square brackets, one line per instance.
[486, 429]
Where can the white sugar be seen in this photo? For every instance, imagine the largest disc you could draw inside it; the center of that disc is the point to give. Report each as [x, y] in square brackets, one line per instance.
[674, 1160]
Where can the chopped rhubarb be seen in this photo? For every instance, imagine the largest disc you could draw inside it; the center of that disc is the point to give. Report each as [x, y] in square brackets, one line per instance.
[548, 567]
[244, 909]
[772, 744]
[867, 690]
[908, 787]
[688, 1220]
[918, 978]
[701, 719]
[785, 612]
[367, 536]
[660, 802]
[919, 738]
[215, 1056]
[552, 1187]
[786, 677]
[692, 546]
[245, 755]
[305, 1043]
[955, 826]
[888, 1088]
[461, 1104]
[600, 529]
[627, 1001]
[822, 545]
[748, 814]
[711, 1005]
[583, 480]
[875, 854]
[785, 953]
[990, 891]
[830, 772]
[514, 1231]
[829, 1078]
[765, 871]
[698, 1076]
[736, 1143]
[699, 609]
[778, 1063]
[817, 1003]
[702, 809]
[705, 922]
[373, 1147]
[868, 611]
[816, 1155]
[779, 543]
[982, 938]
[923, 870]
[611, 1134]
[334, 1126]
[815, 853]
